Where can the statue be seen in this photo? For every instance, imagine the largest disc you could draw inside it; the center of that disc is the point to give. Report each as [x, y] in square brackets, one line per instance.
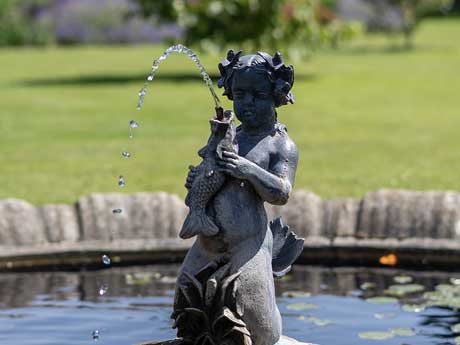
[225, 292]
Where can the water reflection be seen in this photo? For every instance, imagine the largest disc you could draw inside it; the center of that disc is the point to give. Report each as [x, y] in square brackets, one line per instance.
[136, 304]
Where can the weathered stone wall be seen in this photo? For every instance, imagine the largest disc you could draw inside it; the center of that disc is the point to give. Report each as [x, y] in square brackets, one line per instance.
[386, 219]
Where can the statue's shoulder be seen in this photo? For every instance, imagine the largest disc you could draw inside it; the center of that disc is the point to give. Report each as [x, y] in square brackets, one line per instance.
[284, 144]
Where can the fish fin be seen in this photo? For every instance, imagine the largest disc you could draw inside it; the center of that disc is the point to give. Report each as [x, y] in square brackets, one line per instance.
[198, 223]
[286, 246]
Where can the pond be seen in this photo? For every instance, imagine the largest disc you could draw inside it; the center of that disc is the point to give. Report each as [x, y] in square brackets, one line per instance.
[323, 305]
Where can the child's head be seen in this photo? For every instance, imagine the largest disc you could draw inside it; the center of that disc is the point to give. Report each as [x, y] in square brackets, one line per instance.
[257, 84]
[280, 75]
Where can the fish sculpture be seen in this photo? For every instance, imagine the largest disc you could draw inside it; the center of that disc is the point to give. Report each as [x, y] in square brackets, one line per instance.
[209, 179]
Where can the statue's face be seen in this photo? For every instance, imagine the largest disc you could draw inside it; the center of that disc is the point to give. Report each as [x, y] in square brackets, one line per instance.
[253, 101]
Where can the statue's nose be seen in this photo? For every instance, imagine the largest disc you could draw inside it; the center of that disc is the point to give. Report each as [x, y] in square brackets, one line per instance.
[249, 98]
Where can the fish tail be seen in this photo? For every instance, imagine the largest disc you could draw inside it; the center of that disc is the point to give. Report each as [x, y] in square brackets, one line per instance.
[197, 223]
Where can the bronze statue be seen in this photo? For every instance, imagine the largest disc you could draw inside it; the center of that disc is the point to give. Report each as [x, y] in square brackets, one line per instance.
[225, 291]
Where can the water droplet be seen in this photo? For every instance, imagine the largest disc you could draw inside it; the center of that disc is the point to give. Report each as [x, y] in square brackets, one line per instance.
[131, 136]
[150, 77]
[133, 124]
[103, 290]
[95, 334]
[105, 260]
[126, 154]
[121, 181]
[117, 210]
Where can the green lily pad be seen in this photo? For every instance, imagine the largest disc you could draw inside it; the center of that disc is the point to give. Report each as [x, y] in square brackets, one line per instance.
[403, 332]
[456, 328]
[301, 306]
[455, 281]
[404, 289]
[376, 335]
[319, 322]
[402, 279]
[414, 308]
[382, 300]
[368, 286]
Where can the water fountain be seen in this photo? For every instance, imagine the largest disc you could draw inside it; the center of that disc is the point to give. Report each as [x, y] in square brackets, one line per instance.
[225, 289]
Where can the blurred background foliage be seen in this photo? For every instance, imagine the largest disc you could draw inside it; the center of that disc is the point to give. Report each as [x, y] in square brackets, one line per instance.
[298, 27]
[369, 112]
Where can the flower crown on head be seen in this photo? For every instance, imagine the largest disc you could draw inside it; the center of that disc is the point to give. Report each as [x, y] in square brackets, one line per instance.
[281, 75]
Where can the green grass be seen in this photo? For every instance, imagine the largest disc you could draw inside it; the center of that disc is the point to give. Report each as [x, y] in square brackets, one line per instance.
[367, 116]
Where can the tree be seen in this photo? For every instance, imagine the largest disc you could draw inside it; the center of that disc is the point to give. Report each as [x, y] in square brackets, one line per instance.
[289, 25]
[402, 15]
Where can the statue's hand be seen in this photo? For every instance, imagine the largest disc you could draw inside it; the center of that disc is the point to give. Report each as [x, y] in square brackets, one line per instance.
[234, 165]
[190, 177]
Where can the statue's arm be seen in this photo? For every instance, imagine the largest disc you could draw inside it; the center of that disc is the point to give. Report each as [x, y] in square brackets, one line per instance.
[273, 185]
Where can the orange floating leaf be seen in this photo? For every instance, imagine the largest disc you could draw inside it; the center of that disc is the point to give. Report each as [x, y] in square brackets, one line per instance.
[389, 260]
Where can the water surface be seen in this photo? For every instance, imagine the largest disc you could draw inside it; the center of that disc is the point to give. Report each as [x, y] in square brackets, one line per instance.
[327, 306]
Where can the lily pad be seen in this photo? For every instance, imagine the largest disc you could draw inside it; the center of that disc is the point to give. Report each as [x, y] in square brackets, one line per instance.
[293, 294]
[382, 300]
[403, 332]
[414, 308]
[368, 286]
[404, 289]
[301, 306]
[376, 335]
[456, 328]
[319, 322]
[403, 279]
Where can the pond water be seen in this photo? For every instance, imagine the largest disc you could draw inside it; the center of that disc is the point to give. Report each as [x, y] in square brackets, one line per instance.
[327, 306]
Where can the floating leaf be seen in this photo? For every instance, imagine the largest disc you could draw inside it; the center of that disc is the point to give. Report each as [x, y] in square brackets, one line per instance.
[301, 306]
[138, 279]
[381, 300]
[388, 260]
[376, 335]
[456, 328]
[368, 286]
[413, 308]
[403, 279]
[401, 290]
[318, 322]
[403, 332]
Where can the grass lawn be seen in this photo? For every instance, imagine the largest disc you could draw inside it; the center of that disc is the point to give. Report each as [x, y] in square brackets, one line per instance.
[367, 116]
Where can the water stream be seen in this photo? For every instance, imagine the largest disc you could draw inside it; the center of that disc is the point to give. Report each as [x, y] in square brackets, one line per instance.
[178, 48]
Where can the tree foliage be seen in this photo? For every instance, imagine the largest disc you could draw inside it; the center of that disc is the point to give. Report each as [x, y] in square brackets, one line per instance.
[295, 26]
[409, 12]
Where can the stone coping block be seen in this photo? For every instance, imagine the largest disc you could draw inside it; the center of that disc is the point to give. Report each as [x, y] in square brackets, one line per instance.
[385, 220]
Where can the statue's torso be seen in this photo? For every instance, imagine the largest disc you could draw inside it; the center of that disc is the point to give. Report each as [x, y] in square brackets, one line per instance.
[237, 208]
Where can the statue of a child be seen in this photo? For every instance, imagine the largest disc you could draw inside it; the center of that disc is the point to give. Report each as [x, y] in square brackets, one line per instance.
[225, 292]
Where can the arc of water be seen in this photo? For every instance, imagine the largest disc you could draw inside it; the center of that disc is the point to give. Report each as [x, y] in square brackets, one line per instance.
[178, 48]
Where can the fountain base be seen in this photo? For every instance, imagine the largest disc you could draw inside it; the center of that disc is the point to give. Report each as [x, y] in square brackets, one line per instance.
[283, 341]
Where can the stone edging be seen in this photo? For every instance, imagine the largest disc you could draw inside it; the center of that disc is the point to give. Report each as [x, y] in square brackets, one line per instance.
[382, 221]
